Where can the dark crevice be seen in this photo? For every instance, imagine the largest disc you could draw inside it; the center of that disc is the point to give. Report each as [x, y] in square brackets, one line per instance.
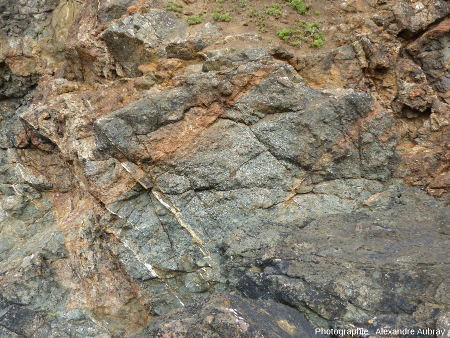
[411, 36]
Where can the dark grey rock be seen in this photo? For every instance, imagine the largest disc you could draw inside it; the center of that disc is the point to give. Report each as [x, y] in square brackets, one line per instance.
[414, 92]
[223, 59]
[15, 86]
[379, 269]
[27, 17]
[12, 129]
[233, 316]
[185, 50]
[111, 10]
[227, 199]
[414, 17]
[190, 48]
[145, 37]
[278, 160]
[431, 52]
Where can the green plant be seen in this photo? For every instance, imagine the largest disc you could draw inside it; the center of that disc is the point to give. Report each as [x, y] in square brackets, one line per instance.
[194, 19]
[318, 41]
[299, 5]
[311, 27]
[315, 33]
[273, 9]
[219, 16]
[308, 32]
[243, 3]
[285, 33]
[172, 6]
[259, 18]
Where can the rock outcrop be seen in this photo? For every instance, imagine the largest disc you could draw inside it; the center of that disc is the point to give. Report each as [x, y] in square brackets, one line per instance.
[162, 180]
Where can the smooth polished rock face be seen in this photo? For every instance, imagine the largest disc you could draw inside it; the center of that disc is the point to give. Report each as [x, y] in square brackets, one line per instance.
[154, 184]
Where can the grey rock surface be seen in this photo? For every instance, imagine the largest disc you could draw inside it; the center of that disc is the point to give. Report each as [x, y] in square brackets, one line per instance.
[389, 260]
[232, 316]
[27, 17]
[153, 185]
[15, 86]
[415, 16]
[113, 9]
[431, 51]
[144, 36]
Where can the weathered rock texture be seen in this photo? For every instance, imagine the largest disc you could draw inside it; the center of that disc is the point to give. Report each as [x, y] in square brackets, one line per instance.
[155, 185]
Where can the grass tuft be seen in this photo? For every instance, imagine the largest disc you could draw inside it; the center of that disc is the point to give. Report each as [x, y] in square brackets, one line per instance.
[308, 32]
[219, 16]
[174, 7]
[299, 5]
[194, 19]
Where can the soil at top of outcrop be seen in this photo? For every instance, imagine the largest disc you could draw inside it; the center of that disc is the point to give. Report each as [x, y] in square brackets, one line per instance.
[256, 23]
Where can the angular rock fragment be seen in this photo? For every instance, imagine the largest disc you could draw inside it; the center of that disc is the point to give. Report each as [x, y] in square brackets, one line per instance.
[233, 316]
[415, 16]
[14, 86]
[414, 92]
[114, 9]
[144, 36]
[430, 51]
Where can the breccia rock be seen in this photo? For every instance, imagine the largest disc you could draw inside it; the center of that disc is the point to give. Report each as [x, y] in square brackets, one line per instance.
[25, 17]
[144, 35]
[156, 183]
[111, 10]
[12, 85]
[415, 16]
[431, 52]
[414, 95]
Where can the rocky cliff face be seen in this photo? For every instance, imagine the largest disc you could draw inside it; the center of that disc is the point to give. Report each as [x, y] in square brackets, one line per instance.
[162, 180]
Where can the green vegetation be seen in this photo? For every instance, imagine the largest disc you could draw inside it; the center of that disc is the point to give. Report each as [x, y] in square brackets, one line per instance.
[172, 6]
[319, 42]
[307, 32]
[273, 9]
[259, 19]
[194, 19]
[253, 14]
[299, 5]
[285, 34]
[295, 43]
[315, 33]
[243, 3]
[300, 33]
[219, 16]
